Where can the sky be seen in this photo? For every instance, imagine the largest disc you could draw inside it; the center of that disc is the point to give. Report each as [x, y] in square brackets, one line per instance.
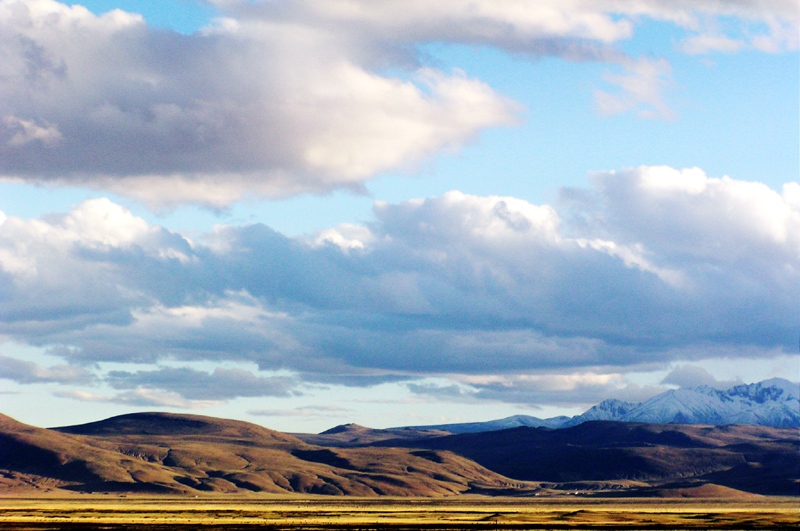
[395, 213]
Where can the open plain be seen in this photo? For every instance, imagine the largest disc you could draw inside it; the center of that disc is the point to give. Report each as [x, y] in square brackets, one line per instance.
[108, 512]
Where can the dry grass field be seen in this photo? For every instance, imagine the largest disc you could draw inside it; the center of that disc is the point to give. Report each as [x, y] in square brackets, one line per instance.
[461, 512]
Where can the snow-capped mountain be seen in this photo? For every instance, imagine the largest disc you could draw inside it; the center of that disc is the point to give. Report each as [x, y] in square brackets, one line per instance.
[774, 402]
[611, 409]
[515, 421]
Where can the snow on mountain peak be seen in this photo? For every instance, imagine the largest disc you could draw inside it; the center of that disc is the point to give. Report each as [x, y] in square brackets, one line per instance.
[773, 402]
[774, 389]
[609, 408]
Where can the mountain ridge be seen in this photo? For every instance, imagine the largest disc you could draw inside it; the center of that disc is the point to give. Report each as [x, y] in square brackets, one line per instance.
[774, 402]
[166, 453]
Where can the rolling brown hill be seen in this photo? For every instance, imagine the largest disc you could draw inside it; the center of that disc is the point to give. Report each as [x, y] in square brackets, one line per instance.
[36, 458]
[754, 459]
[191, 454]
[167, 453]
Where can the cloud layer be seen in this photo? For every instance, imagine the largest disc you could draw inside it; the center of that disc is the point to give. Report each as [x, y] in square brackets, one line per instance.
[468, 297]
[648, 266]
[305, 97]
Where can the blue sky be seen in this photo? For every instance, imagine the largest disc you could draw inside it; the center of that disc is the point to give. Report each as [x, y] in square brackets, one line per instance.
[302, 214]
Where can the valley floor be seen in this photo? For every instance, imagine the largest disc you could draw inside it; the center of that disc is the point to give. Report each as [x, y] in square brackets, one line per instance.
[107, 512]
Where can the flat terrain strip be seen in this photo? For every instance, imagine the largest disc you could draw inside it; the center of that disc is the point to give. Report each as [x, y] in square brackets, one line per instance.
[311, 514]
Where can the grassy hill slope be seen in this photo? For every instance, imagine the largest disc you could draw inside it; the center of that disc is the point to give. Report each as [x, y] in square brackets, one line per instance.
[159, 452]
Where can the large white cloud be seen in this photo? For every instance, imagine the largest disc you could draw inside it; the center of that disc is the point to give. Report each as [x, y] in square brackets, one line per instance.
[649, 265]
[265, 108]
[278, 99]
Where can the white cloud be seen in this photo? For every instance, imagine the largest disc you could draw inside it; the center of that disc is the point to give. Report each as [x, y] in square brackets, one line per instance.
[506, 23]
[140, 398]
[101, 222]
[27, 372]
[292, 108]
[25, 131]
[766, 25]
[83, 396]
[652, 265]
[363, 123]
[346, 236]
[632, 256]
[322, 412]
[641, 88]
[150, 398]
[306, 97]
[545, 382]
[220, 384]
[691, 376]
[531, 26]
[700, 44]
[716, 219]
[577, 389]
[791, 195]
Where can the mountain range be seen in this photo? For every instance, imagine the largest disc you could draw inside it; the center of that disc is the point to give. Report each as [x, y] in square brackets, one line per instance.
[774, 402]
[162, 453]
[165, 453]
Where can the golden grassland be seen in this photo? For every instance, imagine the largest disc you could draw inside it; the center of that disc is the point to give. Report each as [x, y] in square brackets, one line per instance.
[134, 513]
